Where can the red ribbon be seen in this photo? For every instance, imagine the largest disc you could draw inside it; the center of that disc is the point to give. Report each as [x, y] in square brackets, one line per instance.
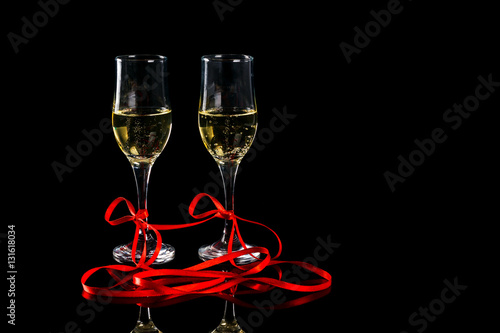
[158, 287]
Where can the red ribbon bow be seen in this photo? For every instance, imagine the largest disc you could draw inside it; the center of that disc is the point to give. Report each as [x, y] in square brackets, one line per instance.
[139, 219]
[220, 212]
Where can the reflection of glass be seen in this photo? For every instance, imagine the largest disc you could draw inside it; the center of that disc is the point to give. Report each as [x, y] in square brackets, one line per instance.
[227, 120]
[144, 323]
[142, 121]
[228, 323]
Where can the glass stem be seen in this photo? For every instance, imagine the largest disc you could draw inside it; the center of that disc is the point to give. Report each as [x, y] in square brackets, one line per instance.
[228, 171]
[142, 170]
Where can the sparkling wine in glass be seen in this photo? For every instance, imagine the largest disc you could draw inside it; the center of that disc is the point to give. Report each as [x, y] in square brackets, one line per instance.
[227, 120]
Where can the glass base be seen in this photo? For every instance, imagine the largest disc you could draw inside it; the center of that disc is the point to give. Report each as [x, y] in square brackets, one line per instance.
[219, 248]
[148, 327]
[228, 327]
[123, 253]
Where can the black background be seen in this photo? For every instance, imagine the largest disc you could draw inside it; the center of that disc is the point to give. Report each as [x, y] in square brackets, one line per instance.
[322, 176]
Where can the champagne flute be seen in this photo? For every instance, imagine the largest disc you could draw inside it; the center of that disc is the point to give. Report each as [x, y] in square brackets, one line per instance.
[142, 121]
[227, 120]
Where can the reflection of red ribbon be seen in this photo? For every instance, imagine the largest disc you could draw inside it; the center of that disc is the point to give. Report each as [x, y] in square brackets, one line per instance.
[158, 287]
